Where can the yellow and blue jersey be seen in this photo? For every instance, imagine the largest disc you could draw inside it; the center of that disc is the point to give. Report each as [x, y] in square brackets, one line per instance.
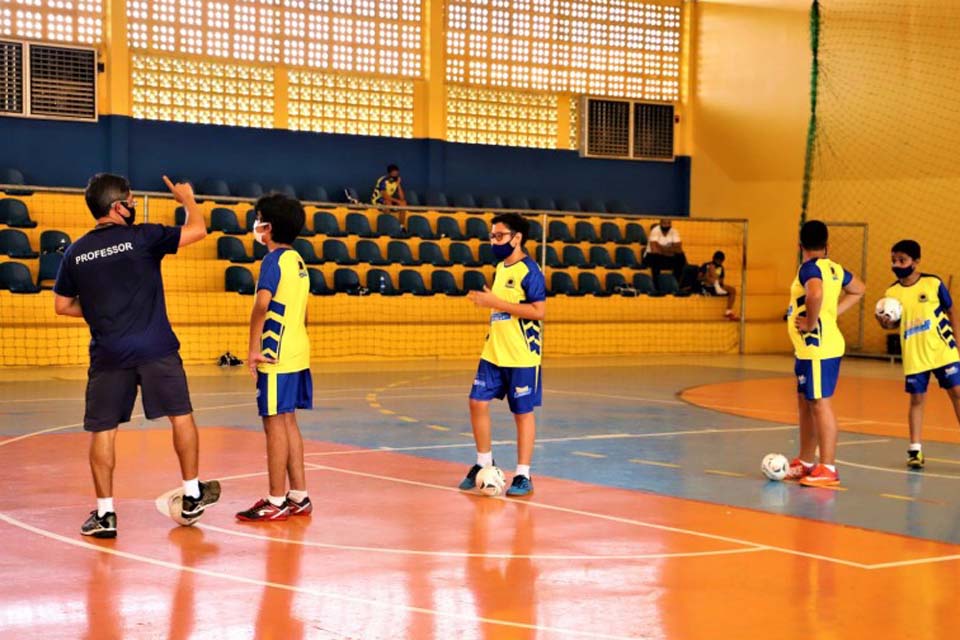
[384, 183]
[926, 337]
[284, 337]
[515, 342]
[825, 340]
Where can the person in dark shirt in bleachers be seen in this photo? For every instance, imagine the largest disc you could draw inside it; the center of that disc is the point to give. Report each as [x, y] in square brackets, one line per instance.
[388, 191]
[710, 282]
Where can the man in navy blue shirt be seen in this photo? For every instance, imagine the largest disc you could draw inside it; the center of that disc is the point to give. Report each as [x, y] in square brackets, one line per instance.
[111, 278]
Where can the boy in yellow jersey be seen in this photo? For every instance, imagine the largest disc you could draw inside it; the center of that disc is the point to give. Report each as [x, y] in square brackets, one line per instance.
[928, 329]
[510, 362]
[279, 357]
[821, 292]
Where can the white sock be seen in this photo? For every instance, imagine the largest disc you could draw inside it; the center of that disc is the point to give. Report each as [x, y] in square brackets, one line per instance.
[275, 501]
[807, 465]
[297, 496]
[104, 506]
[915, 446]
[523, 470]
[831, 467]
[191, 488]
[485, 459]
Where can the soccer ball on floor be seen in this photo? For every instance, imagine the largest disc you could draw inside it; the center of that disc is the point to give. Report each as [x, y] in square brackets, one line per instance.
[775, 466]
[889, 309]
[490, 481]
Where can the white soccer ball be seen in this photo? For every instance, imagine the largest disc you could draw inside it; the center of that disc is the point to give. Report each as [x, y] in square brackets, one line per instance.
[889, 309]
[775, 466]
[490, 481]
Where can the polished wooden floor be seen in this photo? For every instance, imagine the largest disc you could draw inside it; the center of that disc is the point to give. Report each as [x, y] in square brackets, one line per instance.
[650, 518]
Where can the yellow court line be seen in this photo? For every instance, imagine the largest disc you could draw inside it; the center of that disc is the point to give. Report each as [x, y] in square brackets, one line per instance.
[375, 405]
[387, 412]
[466, 434]
[655, 463]
[731, 474]
[944, 460]
[894, 496]
[407, 419]
[587, 454]
[437, 427]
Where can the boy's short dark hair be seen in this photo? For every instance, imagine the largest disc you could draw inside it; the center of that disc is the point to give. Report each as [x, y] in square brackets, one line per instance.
[813, 235]
[719, 255]
[515, 222]
[909, 247]
[392, 167]
[285, 215]
[103, 190]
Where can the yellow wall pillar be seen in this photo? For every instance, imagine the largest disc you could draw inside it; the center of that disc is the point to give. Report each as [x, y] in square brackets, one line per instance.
[115, 83]
[281, 97]
[430, 93]
[563, 121]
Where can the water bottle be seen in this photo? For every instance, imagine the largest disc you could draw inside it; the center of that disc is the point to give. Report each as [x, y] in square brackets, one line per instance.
[383, 284]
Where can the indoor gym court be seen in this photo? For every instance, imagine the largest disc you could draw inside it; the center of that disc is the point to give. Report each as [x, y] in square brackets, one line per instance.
[650, 504]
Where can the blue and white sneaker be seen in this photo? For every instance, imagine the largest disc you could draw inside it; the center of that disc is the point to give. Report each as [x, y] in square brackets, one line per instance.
[521, 486]
[470, 481]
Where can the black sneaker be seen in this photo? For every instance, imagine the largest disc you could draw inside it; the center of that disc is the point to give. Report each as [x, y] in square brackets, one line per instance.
[104, 526]
[470, 481]
[193, 507]
[915, 459]
[304, 508]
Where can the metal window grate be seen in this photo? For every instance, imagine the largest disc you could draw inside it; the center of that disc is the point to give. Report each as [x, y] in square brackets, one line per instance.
[11, 77]
[653, 131]
[608, 128]
[63, 82]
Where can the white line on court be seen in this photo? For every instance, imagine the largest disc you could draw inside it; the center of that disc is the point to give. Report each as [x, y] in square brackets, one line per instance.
[905, 472]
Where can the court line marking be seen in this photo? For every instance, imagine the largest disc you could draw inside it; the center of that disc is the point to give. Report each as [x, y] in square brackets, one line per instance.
[614, 396]
[298, 589]
[919, 474]
[587, 454]
[944, 460]
[849, 443]
[655, 463]
[729, 474]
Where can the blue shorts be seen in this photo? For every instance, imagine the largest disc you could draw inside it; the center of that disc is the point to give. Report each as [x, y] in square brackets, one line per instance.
[522, 386]
[817, 379]
[284, 392]
[948, 376]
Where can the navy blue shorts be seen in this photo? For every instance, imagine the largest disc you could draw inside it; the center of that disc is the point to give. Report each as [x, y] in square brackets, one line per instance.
[522, 386]
[948, 376]
[284, 392]
[817, 379]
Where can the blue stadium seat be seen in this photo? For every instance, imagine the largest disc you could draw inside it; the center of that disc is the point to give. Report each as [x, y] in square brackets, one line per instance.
[413, 198]
[667, 284]
[593, 205]
[465, 201]
[461, 253]
[568, 204]
[473, 281]
[610, 232]
[16, 244]
[444, 282]
[552, 259]
[477, 228]
[490, 202]
[307, 251]
[635, 233]
[431, 253]
[617, 206]
[412, 282]
[285, 189]
[643, 283]
[369, 252]
[179, 216]
[601, 257]
[350, 195]
[437, 199]
[53, 241]
[562, 284]
[389, 225]
[11, 176]
[447, 227]
[615, 281]
[358, 225]
[336, 251]
[49, 266]
[486, 254]
[625, 258]
[318, 284]
[240, 280]
[379, 281]
[315, 193]
[15, 277]
[584, 232]
[544, 204]
[573, 257]
[558, 231]
[248, 189]
[232, 249]
[259, 251]
[398, 252]
[518, 202]
[346, 281]
[225, 220]
[589, 284]
[14, 213]
[214, 187]
[325, 223]
[419, 227]
[536, 231]
[251, 218]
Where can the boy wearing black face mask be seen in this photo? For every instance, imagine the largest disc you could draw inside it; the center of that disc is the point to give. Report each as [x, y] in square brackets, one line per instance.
[928, 329]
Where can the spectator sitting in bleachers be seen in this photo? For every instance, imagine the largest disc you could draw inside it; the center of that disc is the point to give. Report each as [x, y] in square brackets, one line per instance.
[389, 191]
[710, 283]
[665, 250]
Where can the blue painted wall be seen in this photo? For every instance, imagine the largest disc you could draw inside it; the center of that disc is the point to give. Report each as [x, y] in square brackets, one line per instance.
[66, 154]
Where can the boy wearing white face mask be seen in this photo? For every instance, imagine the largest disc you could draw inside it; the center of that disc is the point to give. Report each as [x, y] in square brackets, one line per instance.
[279, 358]
[928, 327]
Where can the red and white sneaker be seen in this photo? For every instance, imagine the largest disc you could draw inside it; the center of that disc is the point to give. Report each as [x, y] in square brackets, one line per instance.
[821, 477]
[304, 508]
[798, 470]
[265, 511]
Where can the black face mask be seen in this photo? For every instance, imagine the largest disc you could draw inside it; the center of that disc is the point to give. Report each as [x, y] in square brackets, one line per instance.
[665, 230]
[132, 210]
[903, 272]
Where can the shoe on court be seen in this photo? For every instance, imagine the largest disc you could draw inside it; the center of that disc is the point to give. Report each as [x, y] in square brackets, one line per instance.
[265, 511]
[470, 481]
[797, 470]
[193, 507]
[915, 459]
[295, 508]
[104, 526]
[521, 486]
[821, 477]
